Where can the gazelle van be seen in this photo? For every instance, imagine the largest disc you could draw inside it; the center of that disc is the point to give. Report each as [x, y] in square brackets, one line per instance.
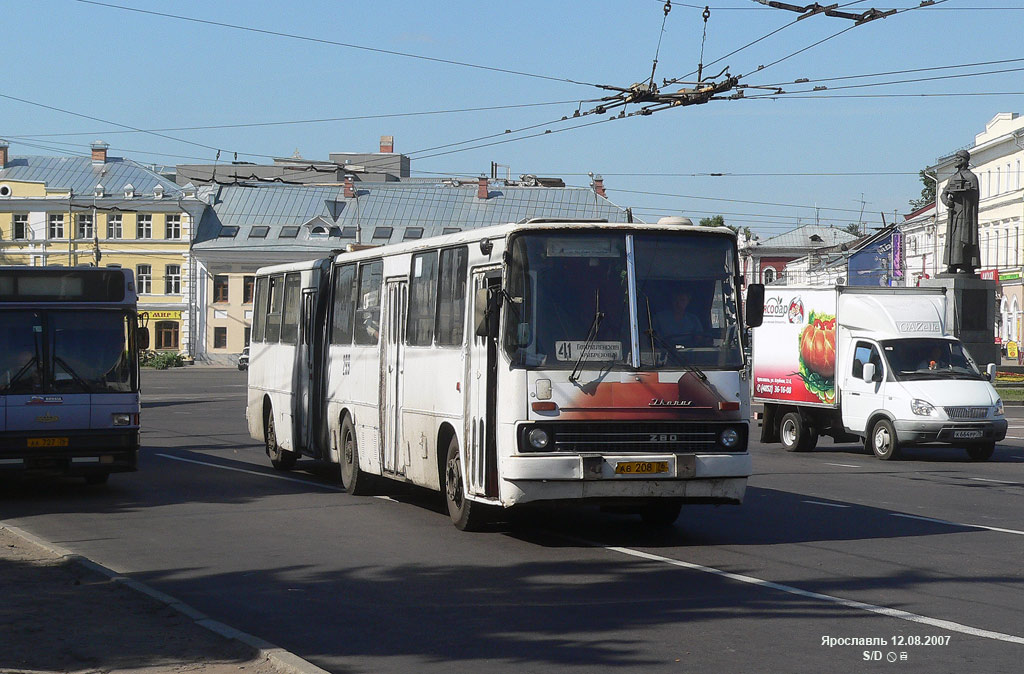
[870, 363]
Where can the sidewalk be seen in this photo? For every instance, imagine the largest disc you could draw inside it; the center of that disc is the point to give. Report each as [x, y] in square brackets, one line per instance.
[62, 613]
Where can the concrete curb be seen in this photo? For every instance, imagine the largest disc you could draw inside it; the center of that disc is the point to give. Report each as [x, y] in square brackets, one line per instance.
[279, 657]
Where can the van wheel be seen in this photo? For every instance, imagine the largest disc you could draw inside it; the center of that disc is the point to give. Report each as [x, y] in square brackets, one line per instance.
[465, 514]
[796, 436]
[981, 452]
[354, 480]
[883, 440]
[280, 459]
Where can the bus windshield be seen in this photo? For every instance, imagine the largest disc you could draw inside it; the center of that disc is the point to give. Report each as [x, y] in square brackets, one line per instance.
[923, 358]
[568, 300]
[55, 351]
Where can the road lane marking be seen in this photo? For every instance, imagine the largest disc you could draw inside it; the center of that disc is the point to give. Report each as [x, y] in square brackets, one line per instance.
[959, 524]
[830, 505]
[842, 465]
[849, 603]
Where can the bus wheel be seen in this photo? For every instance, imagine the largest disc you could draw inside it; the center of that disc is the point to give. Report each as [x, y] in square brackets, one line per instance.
[355, 481]
[97, 478]
[883, 440]
[661, 513]
[796, 436]
[280, 459]
[465, 514]
[981, 452]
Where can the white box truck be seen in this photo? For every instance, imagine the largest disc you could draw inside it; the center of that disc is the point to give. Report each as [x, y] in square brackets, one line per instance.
[869, 363]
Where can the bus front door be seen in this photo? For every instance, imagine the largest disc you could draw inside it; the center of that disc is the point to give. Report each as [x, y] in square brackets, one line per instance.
[480, 460]
[396, 297]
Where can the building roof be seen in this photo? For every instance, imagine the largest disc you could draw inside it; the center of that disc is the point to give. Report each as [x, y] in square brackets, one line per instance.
[81, 175]
[320, 218]
[807, 237]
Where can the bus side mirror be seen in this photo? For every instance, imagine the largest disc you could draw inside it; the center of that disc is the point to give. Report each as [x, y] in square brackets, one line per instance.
[485, 313]
[143, 337]
[754, 305]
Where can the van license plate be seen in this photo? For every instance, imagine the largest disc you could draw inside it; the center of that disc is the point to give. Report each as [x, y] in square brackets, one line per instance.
[967, 435]
[47, 442]
[641, 467]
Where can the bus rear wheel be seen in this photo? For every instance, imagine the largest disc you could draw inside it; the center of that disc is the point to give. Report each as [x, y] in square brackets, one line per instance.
[661, 513]
[466, 515]
[354, 480]
[280, 459]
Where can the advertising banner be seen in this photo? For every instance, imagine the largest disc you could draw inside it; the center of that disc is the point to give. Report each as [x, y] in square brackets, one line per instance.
[794, 352]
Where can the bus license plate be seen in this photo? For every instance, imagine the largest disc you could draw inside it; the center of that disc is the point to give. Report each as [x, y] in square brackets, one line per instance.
[966, 435]
[641, 467]
[47, 442]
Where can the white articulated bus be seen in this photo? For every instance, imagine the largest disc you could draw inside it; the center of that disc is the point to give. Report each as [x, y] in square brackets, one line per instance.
[545, 361]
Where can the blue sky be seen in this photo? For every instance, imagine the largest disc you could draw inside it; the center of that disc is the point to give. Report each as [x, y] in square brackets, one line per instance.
[156, 72]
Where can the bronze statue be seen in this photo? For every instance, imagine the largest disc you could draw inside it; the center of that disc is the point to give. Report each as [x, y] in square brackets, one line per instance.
[961, 197]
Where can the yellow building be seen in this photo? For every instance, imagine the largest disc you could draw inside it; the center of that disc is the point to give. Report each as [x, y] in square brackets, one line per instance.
[102, 210]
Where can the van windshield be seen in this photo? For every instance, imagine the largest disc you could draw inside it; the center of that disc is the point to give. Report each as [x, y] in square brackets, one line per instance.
[918, 359]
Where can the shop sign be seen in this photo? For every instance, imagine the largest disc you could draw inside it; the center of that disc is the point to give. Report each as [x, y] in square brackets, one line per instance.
[989, 274]
[164, 315]
[1011, 349]
[1012, 275]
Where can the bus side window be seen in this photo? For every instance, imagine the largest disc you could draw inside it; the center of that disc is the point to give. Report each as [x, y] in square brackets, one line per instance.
[419, 329]
[259, 315]
[368, 302]
[451, 296]
[276, 290]
[344, 288]
[292, 308]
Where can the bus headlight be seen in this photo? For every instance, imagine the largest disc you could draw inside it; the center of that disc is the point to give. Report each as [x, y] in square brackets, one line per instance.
[122, 419]
[729, 438]
[538, 438]
[922, 408]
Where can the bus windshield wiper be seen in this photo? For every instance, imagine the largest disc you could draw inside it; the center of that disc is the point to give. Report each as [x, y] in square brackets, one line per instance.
[74, 375]
[669, 348]
[595, 326]
[21, 373]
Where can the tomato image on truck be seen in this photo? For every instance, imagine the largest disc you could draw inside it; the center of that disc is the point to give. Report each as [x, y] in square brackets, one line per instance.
[870, 364]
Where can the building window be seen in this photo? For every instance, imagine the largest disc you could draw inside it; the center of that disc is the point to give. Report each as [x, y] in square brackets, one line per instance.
[220, 288]
[769, 274]
[248, 283]
[172, 279]
[166, 334]
[144, 278]
[114, 226]
[56, 226]
[85, 230]
[145, 227]
[173, 227]
[20, 226]
[220, 338]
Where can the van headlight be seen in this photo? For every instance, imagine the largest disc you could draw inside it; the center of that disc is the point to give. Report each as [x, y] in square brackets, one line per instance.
[922, 408]
[999, 407]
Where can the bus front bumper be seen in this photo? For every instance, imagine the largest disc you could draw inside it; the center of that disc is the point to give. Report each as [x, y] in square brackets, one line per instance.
[699, 478]
[77, 453]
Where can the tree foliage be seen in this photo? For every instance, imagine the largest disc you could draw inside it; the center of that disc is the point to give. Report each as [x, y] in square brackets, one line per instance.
[718, 221]
[927, 192]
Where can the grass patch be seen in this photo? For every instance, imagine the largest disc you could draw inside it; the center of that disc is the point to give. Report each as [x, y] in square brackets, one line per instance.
[1015, 393]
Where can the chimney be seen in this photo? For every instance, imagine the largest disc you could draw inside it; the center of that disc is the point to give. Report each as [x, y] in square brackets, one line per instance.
[99, 152]
[3, 153]
[481, 187]
[598, 186]
[350, 191]
[387, 144]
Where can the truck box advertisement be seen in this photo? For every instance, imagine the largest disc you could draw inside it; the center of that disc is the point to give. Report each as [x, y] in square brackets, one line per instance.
[794, 356]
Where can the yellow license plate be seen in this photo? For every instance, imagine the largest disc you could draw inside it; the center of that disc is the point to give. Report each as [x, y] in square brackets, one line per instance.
[641, 467]
[47, 442]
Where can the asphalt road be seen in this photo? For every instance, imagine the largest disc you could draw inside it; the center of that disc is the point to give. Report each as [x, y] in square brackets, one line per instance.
[909, 566]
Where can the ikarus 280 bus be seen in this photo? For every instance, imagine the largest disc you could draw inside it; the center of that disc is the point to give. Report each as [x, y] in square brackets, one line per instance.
[546, 361]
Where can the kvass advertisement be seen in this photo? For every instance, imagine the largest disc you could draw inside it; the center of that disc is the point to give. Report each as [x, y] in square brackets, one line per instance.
[795, 347]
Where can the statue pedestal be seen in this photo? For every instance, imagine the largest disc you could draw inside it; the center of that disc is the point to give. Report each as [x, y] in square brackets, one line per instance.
[970, 313]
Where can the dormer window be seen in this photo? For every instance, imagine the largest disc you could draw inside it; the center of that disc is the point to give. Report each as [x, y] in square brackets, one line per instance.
[318, 231]
[98, 190]
[158, 192]
[129, 191]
